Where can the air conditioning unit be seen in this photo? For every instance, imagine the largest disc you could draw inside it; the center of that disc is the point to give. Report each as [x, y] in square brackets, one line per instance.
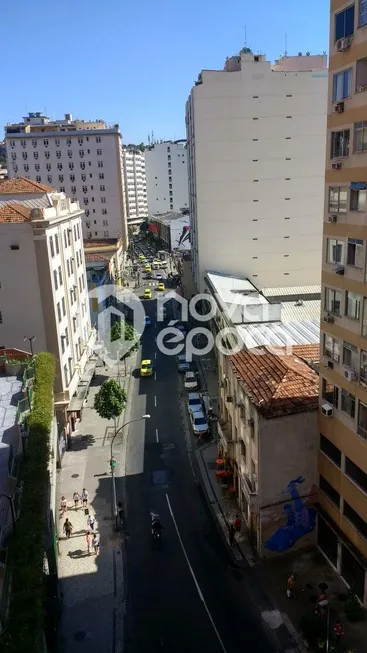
[329, 318]
[339, 108]
[349, 374]
[337, 165]
[327, 410]
[344, 44]
[333, 218]
[339, 269]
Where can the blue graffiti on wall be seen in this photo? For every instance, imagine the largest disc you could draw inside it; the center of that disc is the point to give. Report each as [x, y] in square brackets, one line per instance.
[300, 521]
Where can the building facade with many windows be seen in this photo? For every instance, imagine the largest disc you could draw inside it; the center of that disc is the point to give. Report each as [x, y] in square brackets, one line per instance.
[256, 153]
[43, 287]
[166, 172]
[81, 159]
[342, 523]
[135, 186]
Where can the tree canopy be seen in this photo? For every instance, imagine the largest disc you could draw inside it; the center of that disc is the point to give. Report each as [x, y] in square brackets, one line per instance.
[110, 400]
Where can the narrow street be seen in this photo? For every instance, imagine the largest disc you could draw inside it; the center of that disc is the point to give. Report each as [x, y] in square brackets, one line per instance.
[186, 596]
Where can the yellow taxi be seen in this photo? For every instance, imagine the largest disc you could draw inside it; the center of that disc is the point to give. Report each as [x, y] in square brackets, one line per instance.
[148, 268]
[146, 368]
[147, 293]
[141, 257]
[161, 286]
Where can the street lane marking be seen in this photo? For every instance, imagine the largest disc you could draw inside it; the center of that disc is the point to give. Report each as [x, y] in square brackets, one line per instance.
[155, 376]
[155, 354]
[156, 435]
[194, 577]
[155, 401]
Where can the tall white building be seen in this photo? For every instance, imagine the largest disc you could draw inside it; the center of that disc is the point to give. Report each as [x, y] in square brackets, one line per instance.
[166, 172]
[256, 147]
[43, 292]
[135, 185]
[81, 159]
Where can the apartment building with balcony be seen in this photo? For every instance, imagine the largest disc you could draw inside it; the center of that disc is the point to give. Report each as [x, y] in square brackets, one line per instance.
[342, 522]
[80, 158]
[135, 185]
[43, 287]
[268, 404]
[167, 180]
[255, 147]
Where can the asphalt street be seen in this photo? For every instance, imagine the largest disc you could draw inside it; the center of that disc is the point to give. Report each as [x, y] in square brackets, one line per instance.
[187, 595]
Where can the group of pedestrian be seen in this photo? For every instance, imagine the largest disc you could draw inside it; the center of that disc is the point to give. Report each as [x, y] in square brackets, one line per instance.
[234, 529]
[79, 501]
[91, 536]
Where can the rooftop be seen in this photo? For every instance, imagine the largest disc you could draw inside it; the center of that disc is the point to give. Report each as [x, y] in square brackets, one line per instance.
[292, 290]
[107, 242]
[280, 334]
[24, 186]
[165, 218]
[14, 213]
[278, 383]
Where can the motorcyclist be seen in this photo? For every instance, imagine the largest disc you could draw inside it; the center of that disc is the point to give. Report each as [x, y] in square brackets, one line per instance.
[156, 525]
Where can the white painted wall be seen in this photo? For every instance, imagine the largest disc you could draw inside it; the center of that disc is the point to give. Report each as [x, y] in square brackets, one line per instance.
[98, 186]
[159, 170]
[256, 147]
[135, 185]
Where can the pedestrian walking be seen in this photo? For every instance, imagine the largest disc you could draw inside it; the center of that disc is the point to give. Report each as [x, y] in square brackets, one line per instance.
[120, 512]
[68, 527]
[291, 586]
[63, 506]
[85, 496]
[76, 499]
[231, 535]
[237, 524]
[91, 522]
[88, 541]
[95, 542]
[339, 633]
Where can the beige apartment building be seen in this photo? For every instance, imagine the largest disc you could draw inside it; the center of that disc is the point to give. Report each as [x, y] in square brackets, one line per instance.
[342, 522]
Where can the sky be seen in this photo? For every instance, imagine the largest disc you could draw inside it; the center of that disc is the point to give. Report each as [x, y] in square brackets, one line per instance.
[133, 62]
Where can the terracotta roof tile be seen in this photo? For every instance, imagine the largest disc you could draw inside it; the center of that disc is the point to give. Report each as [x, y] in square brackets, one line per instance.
[277, 382]
[21, 185]
[93, 258]
[14, 212]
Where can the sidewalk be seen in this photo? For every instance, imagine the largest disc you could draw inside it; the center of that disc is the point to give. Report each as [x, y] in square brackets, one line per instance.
[267, 580]
[92, 589]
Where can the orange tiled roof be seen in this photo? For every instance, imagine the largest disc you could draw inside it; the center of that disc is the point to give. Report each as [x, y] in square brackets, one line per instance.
[310, 353]
[14, 212]
[21, 185]
[93, 258]
[277, 383]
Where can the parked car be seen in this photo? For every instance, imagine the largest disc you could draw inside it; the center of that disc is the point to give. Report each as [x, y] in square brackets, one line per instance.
[194, 403]
[147, 320]
[159, 276]
[182, 364]
[199, 423]
[191, 381]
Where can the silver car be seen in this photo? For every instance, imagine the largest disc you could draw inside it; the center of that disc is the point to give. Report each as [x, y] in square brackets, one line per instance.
[199, 423]
[191, 382]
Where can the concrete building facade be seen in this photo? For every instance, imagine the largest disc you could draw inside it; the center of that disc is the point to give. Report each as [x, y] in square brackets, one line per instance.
[135, 186]
[342, 523]
[166, 173]
[78, 158]
[43, 293]
[255, 146]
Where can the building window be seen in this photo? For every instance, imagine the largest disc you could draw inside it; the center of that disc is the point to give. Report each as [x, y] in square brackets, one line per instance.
[62, 189]
[81, 153]
[355, 519]
[52, 249]
[37, 167]
[342, 85]
[38, 178]
[358, 197]
[48, 167]
[73, 189]
[338, 199]
[331, 348]
[60, 275]
[67, 337]
[45, 142]
[100, 164]
[72, 178]
[102, 188]
[71, 165]
[55, 280]
[101, 175]
[58, 154]
[99, 152]
[59, 166]
[98, 139]
[34, 142]
[25, 156]
[70, 153]
[103, 200]
[350, 356]
[57, 244]
[85, 189]
[360, 136]
[59, 311]
[329, 491]
[82, 165]
[355, 252]
[355, 473]
[105, 234]
[344, 23]
[340, 144]
[330, 393]
[330, 450]
[63, 306]
[352, 305]
[362, 18]
[348, 403]
[26, 167]
[63, 346]
[335, 251]
[104, 211]
[49, 179]
[333, 300]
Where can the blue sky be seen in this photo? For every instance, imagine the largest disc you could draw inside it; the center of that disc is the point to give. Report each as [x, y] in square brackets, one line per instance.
[135, 61]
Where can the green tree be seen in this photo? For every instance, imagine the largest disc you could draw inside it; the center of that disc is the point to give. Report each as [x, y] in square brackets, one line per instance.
[110, 400]
[122, 330]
